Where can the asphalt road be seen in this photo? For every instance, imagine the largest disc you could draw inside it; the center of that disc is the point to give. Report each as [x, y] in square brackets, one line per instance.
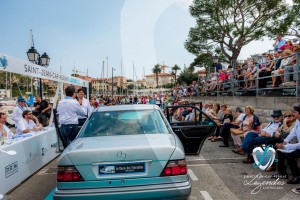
[216, 173]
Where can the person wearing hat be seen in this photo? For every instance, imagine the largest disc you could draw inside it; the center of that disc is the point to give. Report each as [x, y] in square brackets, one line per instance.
[265, 136]
[290, 152]
[18, 110]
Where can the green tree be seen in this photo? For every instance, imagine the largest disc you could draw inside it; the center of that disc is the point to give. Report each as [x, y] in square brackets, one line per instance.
[175, 69]
[156, 70]
[187, 76]
[130, 86]
[232, 24]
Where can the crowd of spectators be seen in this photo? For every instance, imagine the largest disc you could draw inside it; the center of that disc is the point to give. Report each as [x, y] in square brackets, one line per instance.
[277, 67]
[247, 132]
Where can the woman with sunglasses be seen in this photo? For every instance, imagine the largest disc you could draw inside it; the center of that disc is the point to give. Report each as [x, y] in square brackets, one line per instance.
[287, 125]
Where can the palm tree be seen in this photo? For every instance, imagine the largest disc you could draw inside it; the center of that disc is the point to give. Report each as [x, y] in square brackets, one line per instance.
[175, 69]
[156, 70]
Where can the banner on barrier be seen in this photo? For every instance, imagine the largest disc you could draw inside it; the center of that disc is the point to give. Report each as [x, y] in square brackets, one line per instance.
[10, 64]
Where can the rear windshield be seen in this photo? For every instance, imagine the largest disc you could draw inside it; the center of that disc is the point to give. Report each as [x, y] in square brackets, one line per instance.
[124, 123]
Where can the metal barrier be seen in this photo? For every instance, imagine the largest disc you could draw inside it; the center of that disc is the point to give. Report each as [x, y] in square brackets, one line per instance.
[231, 87]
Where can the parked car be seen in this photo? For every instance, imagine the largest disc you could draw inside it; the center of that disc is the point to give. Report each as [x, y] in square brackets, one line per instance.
[121, 153]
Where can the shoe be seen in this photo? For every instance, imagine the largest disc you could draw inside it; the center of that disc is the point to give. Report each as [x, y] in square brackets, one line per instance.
[239, 151]
[296, 190]
[210, 138]
[290, 84]
[279, 175]
[295, 180]
[248, 160]
[224, 145]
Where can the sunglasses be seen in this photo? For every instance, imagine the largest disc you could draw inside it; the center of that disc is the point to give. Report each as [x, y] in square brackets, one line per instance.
[276, 116]
[288, 115]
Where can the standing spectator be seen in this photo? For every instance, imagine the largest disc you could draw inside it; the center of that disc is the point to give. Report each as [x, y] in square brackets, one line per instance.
[18, 110]
[85, 105]
[219, 66]
[26, 124]
[290, 152]
[69, 110]
[42, 107]
[279, 43]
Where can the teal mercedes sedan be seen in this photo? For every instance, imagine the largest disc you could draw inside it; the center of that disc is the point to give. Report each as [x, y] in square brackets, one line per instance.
[121, 153]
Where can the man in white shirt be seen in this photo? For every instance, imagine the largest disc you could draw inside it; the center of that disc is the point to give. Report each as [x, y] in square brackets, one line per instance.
[290, 152]
[69, 110]
[85, 105]
[26, 124]
[18, 110]
[4, 130]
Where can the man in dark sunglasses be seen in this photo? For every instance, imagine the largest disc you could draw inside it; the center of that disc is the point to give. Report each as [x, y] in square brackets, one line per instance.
[290, 152]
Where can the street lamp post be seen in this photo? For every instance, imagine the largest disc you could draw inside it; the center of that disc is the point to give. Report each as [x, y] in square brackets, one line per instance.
[44, 60]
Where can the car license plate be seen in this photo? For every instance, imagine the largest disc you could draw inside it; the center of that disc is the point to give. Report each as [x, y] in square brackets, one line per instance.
[122, 168]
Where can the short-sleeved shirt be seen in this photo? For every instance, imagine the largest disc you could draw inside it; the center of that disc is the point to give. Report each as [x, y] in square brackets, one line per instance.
[43, 105]
[240, 118]
[23, 125]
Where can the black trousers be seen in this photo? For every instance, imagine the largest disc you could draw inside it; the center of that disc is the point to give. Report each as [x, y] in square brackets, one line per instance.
[263, 82]
[291, 159]
[225, 132]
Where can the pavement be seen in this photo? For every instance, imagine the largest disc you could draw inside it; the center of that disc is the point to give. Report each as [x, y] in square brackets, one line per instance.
[217, 173]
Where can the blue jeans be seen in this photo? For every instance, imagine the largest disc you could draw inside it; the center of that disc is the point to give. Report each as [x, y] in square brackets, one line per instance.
[68, 133]
[251, 140]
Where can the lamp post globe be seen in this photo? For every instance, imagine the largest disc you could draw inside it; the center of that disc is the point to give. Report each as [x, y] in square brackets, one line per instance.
[45, 60]
[33, 55]
[215, 58]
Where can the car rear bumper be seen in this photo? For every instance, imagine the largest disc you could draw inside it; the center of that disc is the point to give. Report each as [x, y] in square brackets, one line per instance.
[170, 191]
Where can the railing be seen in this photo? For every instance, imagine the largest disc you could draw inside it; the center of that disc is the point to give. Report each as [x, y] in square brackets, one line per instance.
[232, 87]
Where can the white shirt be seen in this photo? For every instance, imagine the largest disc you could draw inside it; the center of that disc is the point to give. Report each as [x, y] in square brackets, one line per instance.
[271, 128]
[7, 130]
[23, 125]
[17, 113]
[240, 118]
[69, 110]
[86, 107]
[294, 133]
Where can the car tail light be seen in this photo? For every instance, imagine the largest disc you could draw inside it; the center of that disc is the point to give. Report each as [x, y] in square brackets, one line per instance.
[175, 167]
[68, 174]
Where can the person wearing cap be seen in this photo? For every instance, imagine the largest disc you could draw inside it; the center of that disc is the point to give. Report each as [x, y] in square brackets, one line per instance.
[18, 110]
[290, 152]
[265, 136]
[85, 105]
[225, 130]
[69, 110]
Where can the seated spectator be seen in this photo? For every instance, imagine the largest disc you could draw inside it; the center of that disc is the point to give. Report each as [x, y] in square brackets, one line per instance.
[290, 152]
[291, 68]
[223, 76]
[265, 136]
[227, 118]
[4, 130]
[27, 125]
[266, 71]
[284, 63]
[213, 82]
[225, 131]
[250, 123]
[251, 74]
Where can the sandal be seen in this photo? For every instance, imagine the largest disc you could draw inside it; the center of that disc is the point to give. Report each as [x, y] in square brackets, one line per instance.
[210, 138]
[296, 190]
[216, 139]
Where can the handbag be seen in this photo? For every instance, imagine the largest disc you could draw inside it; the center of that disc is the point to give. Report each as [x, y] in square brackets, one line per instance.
[236, 131]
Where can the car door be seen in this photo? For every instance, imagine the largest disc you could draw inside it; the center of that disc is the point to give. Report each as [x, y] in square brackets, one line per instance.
[192, 128]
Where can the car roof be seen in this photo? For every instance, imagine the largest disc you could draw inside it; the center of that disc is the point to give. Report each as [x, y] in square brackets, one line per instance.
[127, 107]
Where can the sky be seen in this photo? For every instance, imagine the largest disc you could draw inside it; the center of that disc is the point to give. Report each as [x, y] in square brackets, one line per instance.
[85, 34]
